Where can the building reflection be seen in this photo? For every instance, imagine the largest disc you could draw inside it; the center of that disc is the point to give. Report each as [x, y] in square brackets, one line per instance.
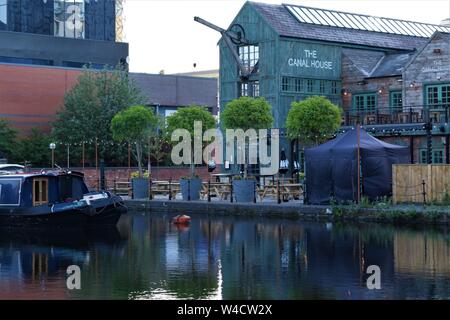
[230, 258]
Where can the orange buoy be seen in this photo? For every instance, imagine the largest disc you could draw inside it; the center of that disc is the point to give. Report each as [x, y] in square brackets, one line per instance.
[181, 219]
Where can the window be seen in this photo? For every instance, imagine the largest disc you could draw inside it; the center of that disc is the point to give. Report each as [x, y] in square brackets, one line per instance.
[69, 20]
[73, 64]
[365, 102]
[334, 87]
[10, 191]
[40, 191]
[249, 89]
[396, 101]
[42, 62]
[3, 14]
[244, 89]
[437, 156]
[438, 96]
[310, 86]
[359, 103]
[255, 88]
[285, 84]
[298, 83]
[322, 86]
[249, 56]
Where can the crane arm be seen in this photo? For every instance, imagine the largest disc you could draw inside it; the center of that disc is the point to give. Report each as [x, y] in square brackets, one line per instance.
[227, 35]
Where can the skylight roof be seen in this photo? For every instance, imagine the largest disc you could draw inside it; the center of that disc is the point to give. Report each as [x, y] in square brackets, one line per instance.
[363, 22]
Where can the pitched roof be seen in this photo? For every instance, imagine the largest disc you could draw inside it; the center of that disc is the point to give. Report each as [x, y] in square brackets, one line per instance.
[364, 60]
[285, 24]
[391, 65]
[176, 91]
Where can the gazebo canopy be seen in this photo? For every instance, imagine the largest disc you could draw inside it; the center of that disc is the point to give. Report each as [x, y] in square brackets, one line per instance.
[331, 168]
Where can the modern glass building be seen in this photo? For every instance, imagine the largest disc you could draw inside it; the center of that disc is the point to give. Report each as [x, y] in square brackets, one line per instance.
[43, 46]
[46, 32]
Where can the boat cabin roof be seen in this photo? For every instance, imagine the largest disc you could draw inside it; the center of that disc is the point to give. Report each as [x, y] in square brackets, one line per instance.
[42, 173]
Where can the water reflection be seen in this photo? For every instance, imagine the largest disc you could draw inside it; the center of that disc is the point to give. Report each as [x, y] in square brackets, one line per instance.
[148, 257]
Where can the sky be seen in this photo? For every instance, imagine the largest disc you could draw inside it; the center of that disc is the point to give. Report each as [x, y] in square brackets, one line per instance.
[163, 35]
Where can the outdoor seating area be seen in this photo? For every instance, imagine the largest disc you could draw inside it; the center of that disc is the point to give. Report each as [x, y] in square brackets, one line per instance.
[266, 189]
[395, 115]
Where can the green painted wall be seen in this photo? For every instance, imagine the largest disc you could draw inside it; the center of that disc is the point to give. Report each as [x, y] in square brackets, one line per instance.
[278, 57]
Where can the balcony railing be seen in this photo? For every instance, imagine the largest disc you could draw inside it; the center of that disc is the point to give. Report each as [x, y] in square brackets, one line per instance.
[398, 115]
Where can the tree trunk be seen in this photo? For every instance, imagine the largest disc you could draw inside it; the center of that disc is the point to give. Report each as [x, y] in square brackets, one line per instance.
[192, 164]
[139, 158]
[246, 160]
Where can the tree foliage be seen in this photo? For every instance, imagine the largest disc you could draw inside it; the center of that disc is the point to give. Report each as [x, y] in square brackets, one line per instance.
[134, 125]
[34, 149]
[8, 137]
[246, 112]
[184, 118]
[90, 106]
[313, 120]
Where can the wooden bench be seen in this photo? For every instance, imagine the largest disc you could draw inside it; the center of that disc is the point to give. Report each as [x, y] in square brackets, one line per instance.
[220, 190]
[165, 188]
[122, 188]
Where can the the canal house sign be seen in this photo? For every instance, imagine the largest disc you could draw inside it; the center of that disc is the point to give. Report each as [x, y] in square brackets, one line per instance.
[310, 60]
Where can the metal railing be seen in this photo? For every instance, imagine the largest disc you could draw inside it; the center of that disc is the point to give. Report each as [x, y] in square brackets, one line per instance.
[398, 115]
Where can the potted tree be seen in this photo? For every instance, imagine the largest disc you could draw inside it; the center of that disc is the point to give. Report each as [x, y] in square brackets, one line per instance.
[184, 118]
[246, 113]
[312, 121]
[134, 125]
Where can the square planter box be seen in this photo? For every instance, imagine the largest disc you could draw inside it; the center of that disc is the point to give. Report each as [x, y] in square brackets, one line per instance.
[140, 188]
[191, 186]
[244, 190]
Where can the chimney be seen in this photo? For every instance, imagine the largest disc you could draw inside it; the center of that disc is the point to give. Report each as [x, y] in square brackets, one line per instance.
[446, 22]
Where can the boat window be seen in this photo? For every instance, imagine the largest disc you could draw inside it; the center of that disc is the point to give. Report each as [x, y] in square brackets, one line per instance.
[40, 191]
[65, 188]
[9, 191]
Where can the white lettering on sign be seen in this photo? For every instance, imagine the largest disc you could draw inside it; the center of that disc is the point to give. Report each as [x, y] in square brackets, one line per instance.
[310, 60]
[437, 66]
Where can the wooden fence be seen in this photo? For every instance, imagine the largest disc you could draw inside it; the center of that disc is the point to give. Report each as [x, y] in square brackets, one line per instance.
[420, 183]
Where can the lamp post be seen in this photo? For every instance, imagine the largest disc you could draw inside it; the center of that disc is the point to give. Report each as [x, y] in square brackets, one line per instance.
[52, 147]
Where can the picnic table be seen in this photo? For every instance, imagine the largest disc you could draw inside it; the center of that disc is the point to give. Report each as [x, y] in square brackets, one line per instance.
[287, 190]
[122, 188]
[220, 190]
[167, 188]
[224, 175]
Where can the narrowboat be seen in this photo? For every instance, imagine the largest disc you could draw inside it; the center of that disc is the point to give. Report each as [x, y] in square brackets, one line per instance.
[57, 199]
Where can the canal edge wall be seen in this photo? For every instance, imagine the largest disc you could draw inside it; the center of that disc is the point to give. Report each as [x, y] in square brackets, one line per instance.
[394, 214]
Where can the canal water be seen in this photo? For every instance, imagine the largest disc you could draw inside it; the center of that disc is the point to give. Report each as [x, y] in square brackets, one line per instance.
[148, 257]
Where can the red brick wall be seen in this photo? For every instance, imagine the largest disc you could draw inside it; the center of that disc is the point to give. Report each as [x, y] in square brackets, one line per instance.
[31, 95]
[158, 173]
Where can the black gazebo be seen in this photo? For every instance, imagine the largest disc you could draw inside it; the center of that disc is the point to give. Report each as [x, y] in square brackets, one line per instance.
[332, 168]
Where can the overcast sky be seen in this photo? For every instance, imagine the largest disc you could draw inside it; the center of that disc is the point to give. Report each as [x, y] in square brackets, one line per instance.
[163, 35]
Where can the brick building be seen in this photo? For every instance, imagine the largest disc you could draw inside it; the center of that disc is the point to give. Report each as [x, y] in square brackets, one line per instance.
[44, 45]
[389, 75]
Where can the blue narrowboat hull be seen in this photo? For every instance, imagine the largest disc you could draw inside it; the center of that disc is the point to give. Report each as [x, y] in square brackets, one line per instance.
[55, 199]
[105, 213]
